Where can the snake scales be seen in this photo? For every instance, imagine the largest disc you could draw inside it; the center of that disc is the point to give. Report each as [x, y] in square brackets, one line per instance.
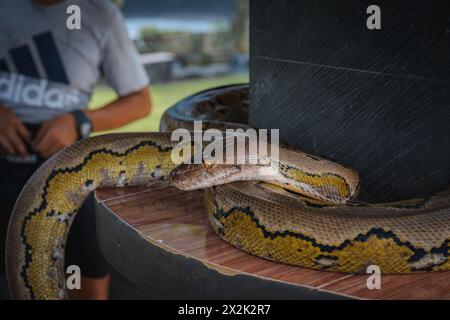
[259, 217]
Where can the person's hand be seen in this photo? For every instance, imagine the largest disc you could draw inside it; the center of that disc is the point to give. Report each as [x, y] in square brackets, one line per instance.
[55, 134]
[13, 134]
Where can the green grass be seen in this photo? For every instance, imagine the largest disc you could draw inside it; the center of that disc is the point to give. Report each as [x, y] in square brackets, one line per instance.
[164, 96]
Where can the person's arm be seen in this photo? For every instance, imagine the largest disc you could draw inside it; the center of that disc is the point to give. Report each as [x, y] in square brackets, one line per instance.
[61, 131]
[122, 111]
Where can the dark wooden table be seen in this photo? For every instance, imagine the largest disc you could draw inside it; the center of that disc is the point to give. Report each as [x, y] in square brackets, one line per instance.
[160, 239]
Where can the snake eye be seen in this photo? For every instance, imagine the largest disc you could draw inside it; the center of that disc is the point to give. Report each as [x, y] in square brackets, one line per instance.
[208, 164]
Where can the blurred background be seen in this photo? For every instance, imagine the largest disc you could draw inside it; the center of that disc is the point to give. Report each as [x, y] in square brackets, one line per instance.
[186, 46]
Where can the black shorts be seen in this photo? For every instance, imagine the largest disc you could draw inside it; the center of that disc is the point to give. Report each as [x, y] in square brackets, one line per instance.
[82, 245]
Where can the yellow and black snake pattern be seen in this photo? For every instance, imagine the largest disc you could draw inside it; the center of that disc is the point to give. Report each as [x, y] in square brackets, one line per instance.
[324, 228]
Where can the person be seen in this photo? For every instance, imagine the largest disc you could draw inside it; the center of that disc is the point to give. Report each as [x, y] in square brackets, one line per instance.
[47, 75]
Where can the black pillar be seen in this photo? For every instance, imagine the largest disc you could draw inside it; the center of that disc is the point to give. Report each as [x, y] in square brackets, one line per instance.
[376, 100]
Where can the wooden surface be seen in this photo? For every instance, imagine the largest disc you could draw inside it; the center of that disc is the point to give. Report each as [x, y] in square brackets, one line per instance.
[178, 223]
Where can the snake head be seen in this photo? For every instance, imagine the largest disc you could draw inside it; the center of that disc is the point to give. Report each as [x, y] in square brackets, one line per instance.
[205, 175]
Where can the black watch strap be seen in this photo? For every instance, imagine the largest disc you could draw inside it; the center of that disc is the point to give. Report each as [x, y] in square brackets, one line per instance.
[84, 124]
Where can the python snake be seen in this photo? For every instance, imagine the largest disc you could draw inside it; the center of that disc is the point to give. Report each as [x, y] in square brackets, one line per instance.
[324, 228]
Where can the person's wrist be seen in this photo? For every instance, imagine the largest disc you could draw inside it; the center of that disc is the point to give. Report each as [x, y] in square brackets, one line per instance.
[71, 119]
[83, 124]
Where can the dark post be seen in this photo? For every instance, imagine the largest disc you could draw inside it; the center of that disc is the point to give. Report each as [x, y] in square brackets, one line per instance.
[377, 100]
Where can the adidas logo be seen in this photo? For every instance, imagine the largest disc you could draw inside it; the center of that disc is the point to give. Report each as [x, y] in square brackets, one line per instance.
[20, 90]
[22, 84]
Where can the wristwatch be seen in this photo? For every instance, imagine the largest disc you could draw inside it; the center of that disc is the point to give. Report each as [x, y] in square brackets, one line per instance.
[84, 124]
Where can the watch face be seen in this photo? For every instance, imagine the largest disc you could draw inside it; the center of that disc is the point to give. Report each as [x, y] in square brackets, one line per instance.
[85, 130]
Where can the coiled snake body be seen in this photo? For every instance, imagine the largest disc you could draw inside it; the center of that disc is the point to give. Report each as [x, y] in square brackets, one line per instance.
[265, 218]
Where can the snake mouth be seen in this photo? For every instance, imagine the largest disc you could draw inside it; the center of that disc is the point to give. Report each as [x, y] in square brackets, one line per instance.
[183, 176]
[295, 193]
[194, 177]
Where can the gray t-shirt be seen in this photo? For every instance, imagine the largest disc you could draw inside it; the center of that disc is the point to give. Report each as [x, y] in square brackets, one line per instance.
[47, 69]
